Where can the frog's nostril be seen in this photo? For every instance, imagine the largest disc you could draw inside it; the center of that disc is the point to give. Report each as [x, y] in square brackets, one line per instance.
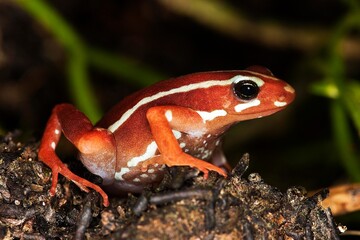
[281, 98]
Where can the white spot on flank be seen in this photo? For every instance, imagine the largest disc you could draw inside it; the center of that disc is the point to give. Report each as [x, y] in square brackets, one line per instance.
[136, 180]
[208, 116]
[242, 106]
[289, 89]
[177, 134]
[208, 136]
[168, 115]
[186, 88]
[57, 132]
[182, 145]
[196, 134]
[150, 170]
[206, 154]
[53, 145]
[149, 153]
[144, 175]
[280, 104]
[156, 165]
[119, 175]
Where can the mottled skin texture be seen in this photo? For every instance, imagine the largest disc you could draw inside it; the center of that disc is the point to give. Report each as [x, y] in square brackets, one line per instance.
[178, 122]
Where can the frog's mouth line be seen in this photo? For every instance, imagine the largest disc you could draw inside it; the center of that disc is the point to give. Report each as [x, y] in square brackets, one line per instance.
[259, 114]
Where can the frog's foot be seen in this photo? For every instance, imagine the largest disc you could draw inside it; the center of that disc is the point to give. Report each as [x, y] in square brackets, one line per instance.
[184, 159]
[59, 167]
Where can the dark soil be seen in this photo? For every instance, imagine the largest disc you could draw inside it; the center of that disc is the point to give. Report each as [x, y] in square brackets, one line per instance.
[216, 208]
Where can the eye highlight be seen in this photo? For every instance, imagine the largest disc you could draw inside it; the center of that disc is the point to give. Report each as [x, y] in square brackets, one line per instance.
[246, 89]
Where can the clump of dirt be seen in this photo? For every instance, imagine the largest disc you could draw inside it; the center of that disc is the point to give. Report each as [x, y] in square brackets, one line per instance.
[216, 208]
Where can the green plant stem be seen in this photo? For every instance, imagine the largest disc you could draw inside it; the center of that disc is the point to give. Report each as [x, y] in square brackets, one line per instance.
[343, 140]
[352, 102]
[78, 81]
[340, 121]
[80, 57]
[80, 87]
[123, 67]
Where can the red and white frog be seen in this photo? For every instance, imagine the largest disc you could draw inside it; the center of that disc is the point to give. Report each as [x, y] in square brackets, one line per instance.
[178, 122]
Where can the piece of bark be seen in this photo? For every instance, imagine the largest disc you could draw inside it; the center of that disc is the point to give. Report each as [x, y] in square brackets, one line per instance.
[216, 208]
[343, 199]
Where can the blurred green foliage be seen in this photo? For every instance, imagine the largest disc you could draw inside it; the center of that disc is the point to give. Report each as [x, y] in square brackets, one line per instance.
[344, 94]
[80, 55]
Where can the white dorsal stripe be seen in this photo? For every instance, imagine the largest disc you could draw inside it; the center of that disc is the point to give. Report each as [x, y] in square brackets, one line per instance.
[182, 89]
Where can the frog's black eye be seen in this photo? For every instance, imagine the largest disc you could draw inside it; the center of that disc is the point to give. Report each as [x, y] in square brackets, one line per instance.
[246, 89]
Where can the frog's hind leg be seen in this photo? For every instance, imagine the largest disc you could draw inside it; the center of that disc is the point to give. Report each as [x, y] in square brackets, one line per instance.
[95, 144]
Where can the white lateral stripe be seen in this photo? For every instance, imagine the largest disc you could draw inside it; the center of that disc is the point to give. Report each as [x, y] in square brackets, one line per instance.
[149, 153]
[242, 106]
[208, 116]
[181, 89]
[119, 175]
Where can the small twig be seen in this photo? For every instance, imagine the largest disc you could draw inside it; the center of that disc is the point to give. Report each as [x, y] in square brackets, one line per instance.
[159, 199]
[180, 195]
[84, 219]
[351, 233]
[241, 166]
[140, 205]
[210, 220]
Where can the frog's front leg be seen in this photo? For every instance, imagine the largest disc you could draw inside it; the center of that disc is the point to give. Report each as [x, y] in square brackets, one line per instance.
[163, 120]
[97, 145]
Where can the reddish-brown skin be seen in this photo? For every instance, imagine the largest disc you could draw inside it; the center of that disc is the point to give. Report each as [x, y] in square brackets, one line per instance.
[147, 132]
